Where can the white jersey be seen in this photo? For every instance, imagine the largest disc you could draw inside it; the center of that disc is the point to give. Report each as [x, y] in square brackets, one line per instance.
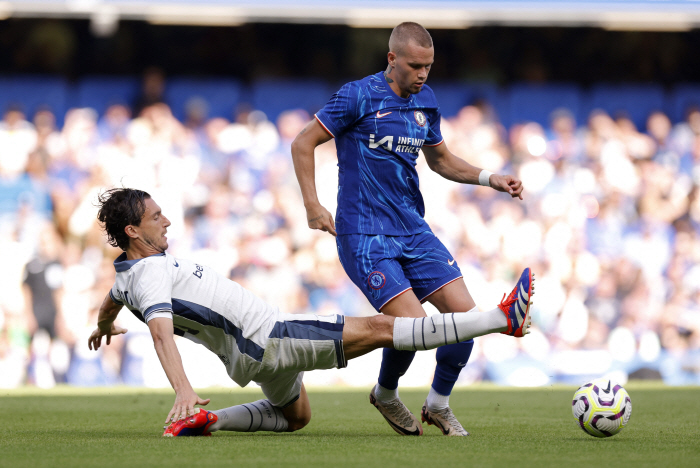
[205, 307]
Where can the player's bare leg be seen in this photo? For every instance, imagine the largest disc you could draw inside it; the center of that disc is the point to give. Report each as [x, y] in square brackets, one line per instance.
[420, 332]
[453, 297]
[257, 416]
[394, 364]
[298, 414]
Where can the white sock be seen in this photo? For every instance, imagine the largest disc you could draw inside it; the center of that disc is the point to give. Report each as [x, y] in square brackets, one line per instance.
[430, 332]
[384, 394]
[250, 417]
[436, 402]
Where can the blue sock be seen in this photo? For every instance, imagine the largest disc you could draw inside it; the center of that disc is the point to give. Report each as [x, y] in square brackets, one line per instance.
[450, 361]
[394, 365]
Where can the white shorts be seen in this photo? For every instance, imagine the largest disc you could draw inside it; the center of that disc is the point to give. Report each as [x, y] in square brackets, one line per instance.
[298, 343]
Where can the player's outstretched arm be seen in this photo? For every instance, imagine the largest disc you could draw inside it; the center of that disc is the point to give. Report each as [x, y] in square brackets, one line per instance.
[453, 168]
[304, 166]
[105, 323]
[185, 397]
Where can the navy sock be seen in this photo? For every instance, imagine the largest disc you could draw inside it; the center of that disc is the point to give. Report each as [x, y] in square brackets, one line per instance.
[450, 360]
[394, 365]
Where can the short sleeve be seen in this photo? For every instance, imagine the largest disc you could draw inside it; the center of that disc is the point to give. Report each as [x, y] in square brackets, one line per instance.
[153, 292]
[341, 111]
[114, 295]
[434, 136]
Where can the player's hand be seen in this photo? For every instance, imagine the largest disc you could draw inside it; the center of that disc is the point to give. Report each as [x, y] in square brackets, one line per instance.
[508, 184]
[95, 340]
[321, 219]
[184, 405]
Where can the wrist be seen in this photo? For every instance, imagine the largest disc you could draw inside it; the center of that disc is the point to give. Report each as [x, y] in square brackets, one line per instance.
[485, 178]
[105, 325]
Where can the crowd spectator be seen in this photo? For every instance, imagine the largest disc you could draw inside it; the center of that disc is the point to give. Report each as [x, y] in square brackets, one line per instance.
[610, 222]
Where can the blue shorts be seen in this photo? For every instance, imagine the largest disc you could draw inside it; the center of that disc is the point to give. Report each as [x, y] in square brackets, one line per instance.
[385, 266]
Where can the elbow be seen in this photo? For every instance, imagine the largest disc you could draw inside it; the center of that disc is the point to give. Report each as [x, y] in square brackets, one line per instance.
[297, 146]
[435, 167]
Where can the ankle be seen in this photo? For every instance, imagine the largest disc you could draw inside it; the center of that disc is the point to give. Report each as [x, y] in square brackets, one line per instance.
[385, 394]
[436, 402]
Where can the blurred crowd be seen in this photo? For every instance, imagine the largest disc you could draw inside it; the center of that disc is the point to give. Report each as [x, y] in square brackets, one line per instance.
[610, 222]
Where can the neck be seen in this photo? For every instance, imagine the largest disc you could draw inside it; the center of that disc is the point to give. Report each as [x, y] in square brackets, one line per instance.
[139, 249]
[394, 85]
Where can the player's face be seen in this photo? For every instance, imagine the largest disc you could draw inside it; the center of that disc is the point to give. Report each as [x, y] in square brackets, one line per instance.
[153, 227]
[411, 67]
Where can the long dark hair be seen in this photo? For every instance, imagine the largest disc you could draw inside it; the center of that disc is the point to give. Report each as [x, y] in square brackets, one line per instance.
[119, 208]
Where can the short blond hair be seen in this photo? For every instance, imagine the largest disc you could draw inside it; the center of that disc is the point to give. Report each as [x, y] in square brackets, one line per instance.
[406, 32]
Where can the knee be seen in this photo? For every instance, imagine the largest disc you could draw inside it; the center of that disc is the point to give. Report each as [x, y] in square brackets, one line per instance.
[298, 422]
[382, 326]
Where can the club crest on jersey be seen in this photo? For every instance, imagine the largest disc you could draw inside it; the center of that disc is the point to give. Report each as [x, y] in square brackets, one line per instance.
[376, 280]
[420, 118]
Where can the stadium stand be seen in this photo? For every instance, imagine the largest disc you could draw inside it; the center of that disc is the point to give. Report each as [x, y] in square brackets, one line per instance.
[610, 219]
[221, 96]
[634, 100]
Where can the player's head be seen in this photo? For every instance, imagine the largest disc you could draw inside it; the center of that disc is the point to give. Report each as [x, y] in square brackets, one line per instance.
[131, 218]
[410, 56]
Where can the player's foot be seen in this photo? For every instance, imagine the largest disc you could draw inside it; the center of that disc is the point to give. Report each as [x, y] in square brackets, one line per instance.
[397, 415]
[444, 420]
[195, 425]
[517, 306]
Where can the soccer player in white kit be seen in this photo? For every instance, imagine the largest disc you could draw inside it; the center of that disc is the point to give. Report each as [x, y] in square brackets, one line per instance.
[255, 341]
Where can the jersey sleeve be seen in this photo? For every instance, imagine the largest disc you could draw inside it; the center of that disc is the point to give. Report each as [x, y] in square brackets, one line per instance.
[341, 111]
[114, 295]
[434, 136]
[152, 293]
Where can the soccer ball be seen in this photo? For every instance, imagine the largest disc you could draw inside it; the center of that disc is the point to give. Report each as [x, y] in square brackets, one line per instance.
[602, 407]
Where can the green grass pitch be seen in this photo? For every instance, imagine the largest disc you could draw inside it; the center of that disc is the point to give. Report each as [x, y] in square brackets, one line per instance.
[510, 427]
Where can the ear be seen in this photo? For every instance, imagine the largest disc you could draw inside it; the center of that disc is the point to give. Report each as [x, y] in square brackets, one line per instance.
[391, 58]
[131, 232]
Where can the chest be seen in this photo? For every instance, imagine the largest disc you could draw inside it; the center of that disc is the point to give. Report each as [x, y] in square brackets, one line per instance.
[399, 122]
[398, 130]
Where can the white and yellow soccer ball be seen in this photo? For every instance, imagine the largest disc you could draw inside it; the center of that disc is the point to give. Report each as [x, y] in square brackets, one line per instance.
[602, 407]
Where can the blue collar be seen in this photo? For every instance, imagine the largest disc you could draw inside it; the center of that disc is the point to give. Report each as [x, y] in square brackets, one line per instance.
[122, 264]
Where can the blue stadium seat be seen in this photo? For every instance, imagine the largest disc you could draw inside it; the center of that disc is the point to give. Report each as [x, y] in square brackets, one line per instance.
[635, 100]
[535, 103]
[453, 96]
[100, 92]
[681, 99]
[221, 95]
[33, 92]
[274, 96]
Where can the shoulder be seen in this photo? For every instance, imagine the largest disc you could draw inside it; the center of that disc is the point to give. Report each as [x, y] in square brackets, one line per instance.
[154, 262]
[367, 83]
[153, 268]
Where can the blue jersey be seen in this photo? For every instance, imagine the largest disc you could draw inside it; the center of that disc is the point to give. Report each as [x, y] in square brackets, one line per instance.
[378, 136]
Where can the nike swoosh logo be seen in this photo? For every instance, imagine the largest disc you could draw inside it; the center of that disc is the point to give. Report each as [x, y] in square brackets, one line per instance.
[379, 115]
[451, 262]
[461, 364]
[403, 430]
[607, 390]
[433, 323]
[176, 264]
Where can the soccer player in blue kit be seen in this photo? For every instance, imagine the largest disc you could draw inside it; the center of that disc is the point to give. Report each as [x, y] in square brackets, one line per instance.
[380, 124]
